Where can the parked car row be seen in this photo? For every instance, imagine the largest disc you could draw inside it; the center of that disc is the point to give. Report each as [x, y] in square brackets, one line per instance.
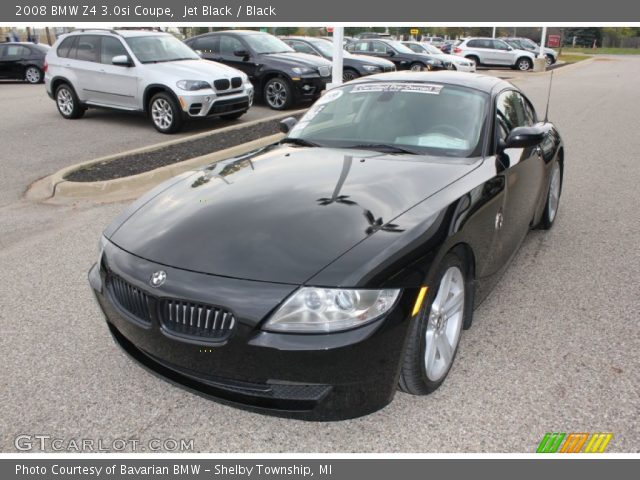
[218, 74]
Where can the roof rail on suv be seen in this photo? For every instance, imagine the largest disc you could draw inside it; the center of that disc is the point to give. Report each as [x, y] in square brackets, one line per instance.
[110, 30]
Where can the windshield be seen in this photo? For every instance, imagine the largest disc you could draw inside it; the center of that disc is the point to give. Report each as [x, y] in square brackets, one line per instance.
[529, 43]
[431, 49]
[399, 47]
[418, 118]
[265, 43]
[160, 48]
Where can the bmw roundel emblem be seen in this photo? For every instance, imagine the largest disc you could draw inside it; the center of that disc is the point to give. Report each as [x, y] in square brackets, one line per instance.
[158, 278]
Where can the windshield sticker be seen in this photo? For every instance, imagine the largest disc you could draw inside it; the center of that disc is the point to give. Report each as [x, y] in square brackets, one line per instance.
[330, 96]
[398, 87]
[312, 113]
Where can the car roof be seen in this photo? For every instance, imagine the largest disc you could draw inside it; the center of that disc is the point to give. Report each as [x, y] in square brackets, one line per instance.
[484, 83]
[122, 33]
[236, 32]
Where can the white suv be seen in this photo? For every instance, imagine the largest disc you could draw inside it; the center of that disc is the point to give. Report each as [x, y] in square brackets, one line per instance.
[493, 52]
[144, 71]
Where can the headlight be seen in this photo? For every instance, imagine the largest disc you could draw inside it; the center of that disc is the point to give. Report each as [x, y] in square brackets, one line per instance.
[372, 68]
[302, 70]
[192, 85]
[322, 310]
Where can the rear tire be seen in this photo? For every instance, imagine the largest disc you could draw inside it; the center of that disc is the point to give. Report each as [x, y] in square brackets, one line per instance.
[436, 329]
[553, 197]
[68, 103]
[165, 113]
[33, 75]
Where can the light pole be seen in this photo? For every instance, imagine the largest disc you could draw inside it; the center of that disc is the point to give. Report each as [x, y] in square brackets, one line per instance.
[338, 37]
[494, 32]
[543, 43]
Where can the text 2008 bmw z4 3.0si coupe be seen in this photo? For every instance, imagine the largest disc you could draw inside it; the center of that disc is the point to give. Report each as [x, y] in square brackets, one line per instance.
[313, 277]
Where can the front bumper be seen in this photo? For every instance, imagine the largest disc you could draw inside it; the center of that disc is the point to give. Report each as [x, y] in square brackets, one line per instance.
[308, 88]
[208, 104]
[313, 376]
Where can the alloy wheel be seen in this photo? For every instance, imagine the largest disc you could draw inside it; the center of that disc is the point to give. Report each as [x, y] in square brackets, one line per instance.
[33, 75]
[417, 68]
[162, 113]
[65, 101]
[444, 324]
[276, 94]
[348, 75]
[523, 65]
[554, 192]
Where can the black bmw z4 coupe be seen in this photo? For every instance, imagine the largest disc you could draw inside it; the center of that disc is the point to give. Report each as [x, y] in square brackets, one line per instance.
[316, 276]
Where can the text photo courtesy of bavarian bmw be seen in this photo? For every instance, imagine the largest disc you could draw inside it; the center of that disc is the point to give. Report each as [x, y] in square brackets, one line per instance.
[313, 277]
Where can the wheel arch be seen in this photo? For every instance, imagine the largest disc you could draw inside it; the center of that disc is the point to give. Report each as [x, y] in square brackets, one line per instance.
[154, 89]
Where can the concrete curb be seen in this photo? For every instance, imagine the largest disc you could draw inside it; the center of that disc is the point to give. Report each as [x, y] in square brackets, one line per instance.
[55, 189]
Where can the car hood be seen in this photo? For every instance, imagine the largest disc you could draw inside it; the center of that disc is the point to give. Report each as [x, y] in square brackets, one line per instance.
[368, 60]
[197, 69]
[279, 215]
[297, 59]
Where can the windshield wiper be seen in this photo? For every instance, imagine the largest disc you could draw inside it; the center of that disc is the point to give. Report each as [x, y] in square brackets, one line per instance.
[383, 147]
[299, 141]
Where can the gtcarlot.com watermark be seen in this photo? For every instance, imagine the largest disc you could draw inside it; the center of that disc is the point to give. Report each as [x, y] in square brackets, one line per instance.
[27, 442]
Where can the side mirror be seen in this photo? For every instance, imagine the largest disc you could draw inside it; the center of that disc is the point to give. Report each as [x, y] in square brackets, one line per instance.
[287, 124]
[241, 53]
[390, 52]
[522, 137]
[122, 61]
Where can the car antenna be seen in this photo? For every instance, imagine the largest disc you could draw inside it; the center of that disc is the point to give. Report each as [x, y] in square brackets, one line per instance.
[546, 113]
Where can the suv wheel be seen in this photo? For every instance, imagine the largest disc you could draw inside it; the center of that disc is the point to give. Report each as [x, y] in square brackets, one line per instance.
[278, 94]
[33, 75]
[523, 64]
[550, 60]
[165, 113]
[68, 103]
[474, 59]
[418, 67]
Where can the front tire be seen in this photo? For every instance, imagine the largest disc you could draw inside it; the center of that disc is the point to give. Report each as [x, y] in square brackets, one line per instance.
[550, 60]
[349, 74]
[418, 67]
[33, 75]
[436, 329]
[523, 64]
[165, 113]
[278, 93]
[553, 197]
[68, 103]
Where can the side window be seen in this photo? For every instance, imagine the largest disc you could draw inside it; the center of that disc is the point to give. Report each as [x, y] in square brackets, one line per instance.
[87, 48]
[2, 50]
[228, 45]
[530, 113]
[66, 46]
[207, 44]
[475, 44]
[379, 47]
[361, 47]
[500, 45]
[16, 52]
[301, 47]
[111, 47]
[510, 111]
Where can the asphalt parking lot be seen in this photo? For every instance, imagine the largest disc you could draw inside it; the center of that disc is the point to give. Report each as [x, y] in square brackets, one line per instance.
[555, 348]
[37, 141]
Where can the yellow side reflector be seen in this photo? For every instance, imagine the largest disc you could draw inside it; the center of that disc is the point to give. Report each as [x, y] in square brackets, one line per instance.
[295, 79]
[419, 300]
[182, 102]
